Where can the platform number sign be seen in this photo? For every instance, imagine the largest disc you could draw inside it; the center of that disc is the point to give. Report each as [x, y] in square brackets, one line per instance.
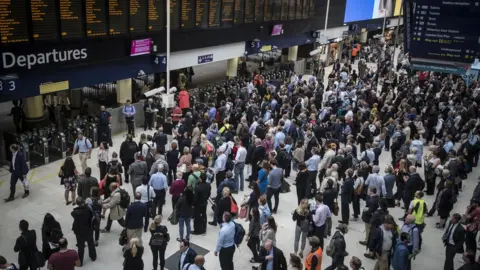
[253, 47]
[8, 83]
[160, 61]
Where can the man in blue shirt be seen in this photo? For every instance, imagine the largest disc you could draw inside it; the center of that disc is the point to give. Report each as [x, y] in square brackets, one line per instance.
[272, 258]
[220, 167]
[159, 183]
[129, 114]
[225, 244]
[448, 144]
[84, 148]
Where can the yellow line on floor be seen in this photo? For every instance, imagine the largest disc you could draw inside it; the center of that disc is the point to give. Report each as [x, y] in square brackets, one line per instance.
[30, 177]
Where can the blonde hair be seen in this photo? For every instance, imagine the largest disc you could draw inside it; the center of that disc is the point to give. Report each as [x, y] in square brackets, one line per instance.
[303, 207]
[134, 243]
[156, 221]
[226, 192]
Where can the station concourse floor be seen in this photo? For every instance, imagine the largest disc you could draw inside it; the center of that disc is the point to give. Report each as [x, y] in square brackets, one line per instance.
[47, 197]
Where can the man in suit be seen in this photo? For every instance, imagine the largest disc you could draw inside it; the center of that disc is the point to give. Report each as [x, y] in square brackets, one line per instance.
[26, 245]
[187, 255]
[18, 170]
[346, 196]
[272, 257]
[453, 239]
[136, 218]
[83, 229]
[413, 183]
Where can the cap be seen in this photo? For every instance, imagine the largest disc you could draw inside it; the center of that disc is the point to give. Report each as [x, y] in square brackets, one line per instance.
[343, 228]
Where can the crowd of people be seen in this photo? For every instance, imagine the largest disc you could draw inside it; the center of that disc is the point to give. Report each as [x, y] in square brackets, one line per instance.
[324, 137]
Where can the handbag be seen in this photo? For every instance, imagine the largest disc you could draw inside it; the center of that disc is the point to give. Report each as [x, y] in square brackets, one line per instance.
[182, 168]
[305, 226]
[173, 218]
[123, 239]
[243, 212]
[39, 259]
[335, 208]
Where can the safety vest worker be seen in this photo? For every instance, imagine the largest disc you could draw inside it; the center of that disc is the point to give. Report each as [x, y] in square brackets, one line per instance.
[314, 259]
[418, 208]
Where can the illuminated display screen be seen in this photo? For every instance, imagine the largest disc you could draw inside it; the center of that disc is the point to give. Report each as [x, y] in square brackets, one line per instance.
[44, 19]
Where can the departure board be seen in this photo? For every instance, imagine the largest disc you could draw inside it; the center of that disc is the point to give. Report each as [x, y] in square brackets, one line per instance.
[157, 19]
[44, 19]
[201, 14]
[259, 11]
[249, 11]
[305, 9]
[188, 19]
[214, 13]
[267, 12]
[118, 17]
[277, 10]
[71, 19]
[239, 11]
[175, 14]
[13, 22]
[227, 13]
[291, 9]
[311, 10]
[284, 12]
[298, 9]
[96, 16]
[138, 16]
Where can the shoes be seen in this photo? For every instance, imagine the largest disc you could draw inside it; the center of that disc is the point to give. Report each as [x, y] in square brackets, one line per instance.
[105, 231]
[300, 254]
[363, 243]
[96, 243]
[341, 222]
[9, 199]
[370, 256]
[354, 219]
[179, 240]
[69, 202]
[27, 193]
[401, 219]
[212, 223]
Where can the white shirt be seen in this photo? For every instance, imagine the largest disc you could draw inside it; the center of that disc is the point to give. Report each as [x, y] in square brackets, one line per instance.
[321, 215]
[241, 155]
[142, 189]
[13, 159]
[191, 267]
[182, 257]
[145, 147]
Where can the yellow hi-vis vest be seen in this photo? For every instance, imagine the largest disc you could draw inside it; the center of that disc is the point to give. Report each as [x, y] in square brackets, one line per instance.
[419, 213]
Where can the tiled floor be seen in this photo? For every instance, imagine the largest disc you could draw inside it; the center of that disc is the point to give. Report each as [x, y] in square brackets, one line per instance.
[47, 197]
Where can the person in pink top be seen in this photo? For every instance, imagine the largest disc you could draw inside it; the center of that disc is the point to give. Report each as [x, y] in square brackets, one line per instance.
[176, 189]
[184, 101]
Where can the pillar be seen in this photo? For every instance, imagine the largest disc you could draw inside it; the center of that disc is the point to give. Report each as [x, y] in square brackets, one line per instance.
[232, 67]
[33, 107]
[292, 53]
[363, 37]
[76, 99]
[124, 90]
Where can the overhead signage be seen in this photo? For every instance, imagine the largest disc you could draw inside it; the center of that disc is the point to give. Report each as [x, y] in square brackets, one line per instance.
[140, 46]
[445, 30]
[449, 69]
[356, 10]
[51, 87]
[202, 59]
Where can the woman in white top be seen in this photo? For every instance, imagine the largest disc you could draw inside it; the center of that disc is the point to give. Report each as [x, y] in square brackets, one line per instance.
[102, 156]
[432, 161]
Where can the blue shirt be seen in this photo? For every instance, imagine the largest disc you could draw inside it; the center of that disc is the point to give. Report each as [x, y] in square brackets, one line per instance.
[270, 262]
[158, 181]
[263, 181]
[212, 113]
[279, 138]
[226, 236]
[83, 145]
[448, 146]
[220, 163]
[267, 116]
[312, 163]
[129, 110]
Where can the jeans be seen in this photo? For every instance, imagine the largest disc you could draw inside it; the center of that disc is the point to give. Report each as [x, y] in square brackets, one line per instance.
[181, 222]
[273, 192]
[226, 258]
[298, 233]
[159, 202]
[239, 177]
[158, 252]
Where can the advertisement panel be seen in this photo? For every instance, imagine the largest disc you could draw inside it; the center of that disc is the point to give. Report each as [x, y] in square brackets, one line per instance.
[361, 10]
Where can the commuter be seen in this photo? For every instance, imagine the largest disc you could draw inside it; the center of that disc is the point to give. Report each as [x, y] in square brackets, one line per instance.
[224, 203]
[176, 189]
[202, 194]
[116, 211]
[220, 167]
[86, 183]
[383, 242]
[314, 258]
[453, 239]
[129, 114]
[6, 265]
[184, 209]
[194, 177]
[253, 235]
[82, 227]
[84, 148]
[149, 110]
[18, 170]
[133, 255]
[184, 100]
[312, 167]
[414, 236]
[18, 117]
[347, 194]
[401, 256]
[367, 214]
[356, 263]
[375, 180]
[275, 177]
[128, 149]
[116, 165]
[172, 157]
[103, 159]
[272, 257]
[103, 126]
[185, 161]
[319, 218]
[339, 246]
[148, 151]
[240, 158]
[187, 254]
[303, 220]
[257, 157]
[158, 241]
[136, 218]
[68, 178]
[329, 199]
[51, 234]
[225, 248]
[160, 159]
[138, 171]
[161, 140]
[111, 177]
[197, 265]
[158, 182]
[95, 204]
[389, 180]
[65, 258]
[301, 181]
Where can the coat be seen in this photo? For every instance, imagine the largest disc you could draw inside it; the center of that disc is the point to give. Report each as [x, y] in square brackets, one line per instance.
[189, 258]
[26, 245]
[458, 237]
[279, 261]
[113, 203]
[137, 171]
[400, 259]
[133, 263]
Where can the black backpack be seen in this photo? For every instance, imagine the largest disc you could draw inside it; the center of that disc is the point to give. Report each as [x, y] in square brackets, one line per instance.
[159, 238]
[124, 199]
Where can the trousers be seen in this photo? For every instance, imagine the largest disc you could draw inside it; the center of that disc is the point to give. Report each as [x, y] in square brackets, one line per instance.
[130, 125]
[299, 234]
[158, 252]
[81, 239]
[200, 218]
[382, 261]
[239, 176]
[253, 244]
[14, 177]
[226, 258]
[273, 192]
[159, 202]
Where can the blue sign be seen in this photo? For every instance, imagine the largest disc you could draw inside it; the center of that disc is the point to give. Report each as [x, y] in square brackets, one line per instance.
[160, 61]
[253, 47]
[449, 69]
[202, 59]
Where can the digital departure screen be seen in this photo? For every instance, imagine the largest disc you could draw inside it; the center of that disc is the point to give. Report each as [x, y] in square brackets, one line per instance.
[267, 12]
[239, 11]
[305, 5]
[298, 9]
[284, 11]
[227, 13]
[156, 15]
[138, 16]
[96, 16]
[444, 30]
[214, 13]
[71, 19]
[13, 22]
[259, 8]
[118, 11]
[175, 14]
[249, 11]
[188, 14]
[277, 10]
[291, 9]
[201, 14]
[44, 19]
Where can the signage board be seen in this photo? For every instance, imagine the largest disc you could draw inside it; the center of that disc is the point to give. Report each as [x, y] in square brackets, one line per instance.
[202, 59]
[140, 46]
[445, 30]
[449, 69]
[160, 61]
[356, 10]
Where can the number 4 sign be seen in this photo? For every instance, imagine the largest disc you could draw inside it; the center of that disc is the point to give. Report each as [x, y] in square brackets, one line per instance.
[160, 61]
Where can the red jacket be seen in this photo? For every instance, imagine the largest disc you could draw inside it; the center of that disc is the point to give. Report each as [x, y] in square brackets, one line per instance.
[184, 99]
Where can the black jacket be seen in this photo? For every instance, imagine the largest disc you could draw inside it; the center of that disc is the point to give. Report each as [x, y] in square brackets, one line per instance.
[329, 197]
[133, 263]
[413, 184]
[161, 140]
[202, 193]
[21, 167]
[127, 152]
[458, 237]
[184, 209]
[189, 258]
[172, 158]
[137, 216]
[26, 245]
[279, 261]
[372, 205]
[340, 245]
[85, 185]
[82, 220]
[258, 155]
[376, 240]
[347, 192]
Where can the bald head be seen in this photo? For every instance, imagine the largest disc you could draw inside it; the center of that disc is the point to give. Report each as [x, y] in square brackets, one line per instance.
[199, 260]
[409, 219]
[195, 167]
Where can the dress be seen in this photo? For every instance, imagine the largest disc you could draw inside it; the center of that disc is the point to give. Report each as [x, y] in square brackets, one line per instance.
[69, 179]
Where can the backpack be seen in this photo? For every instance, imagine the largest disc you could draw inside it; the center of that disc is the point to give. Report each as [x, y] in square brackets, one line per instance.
[159, 239]
[239, 234]
[124, 199]
[330, 250]
[97, 212]
[132, 147]
[55, 235]
[355, 161]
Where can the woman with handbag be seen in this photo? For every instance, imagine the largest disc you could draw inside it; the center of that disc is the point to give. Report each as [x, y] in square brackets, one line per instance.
[158, 242]
[253, 235]
[303, 219]
[51, 234]
[68, 178]
[185, 164]
[26, 245]
[133, 256]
